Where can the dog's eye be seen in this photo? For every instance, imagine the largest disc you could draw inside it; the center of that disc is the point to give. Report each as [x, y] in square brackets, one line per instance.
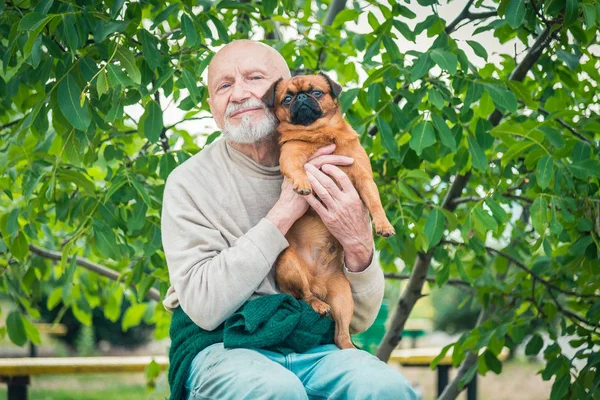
[287, 99]
[317, 93]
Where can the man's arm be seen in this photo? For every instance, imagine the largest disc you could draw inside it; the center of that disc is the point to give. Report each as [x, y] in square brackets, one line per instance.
[212, 279]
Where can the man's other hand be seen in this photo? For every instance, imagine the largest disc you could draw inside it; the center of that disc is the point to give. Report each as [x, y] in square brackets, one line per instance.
[291, 206]
[343, 212]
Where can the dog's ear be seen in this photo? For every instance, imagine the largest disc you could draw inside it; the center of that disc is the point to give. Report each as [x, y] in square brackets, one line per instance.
[336, 89]
[269, 96]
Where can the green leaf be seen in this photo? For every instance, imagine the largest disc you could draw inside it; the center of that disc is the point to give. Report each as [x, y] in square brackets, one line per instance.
[478, 49]
[54, 298]
[345, 16]
[561, 385]
[486, 220]
[492, 362]
[515, 13]
[539, 214]
[435, 98]
[586, 168]
[580, 246]
[164, 14]
[347, 98]
[521, 90]
[32, 21]
[446, 136]
[68, 101]
[545, 171]
[553, 135]
[571, 12]
[19, 247]
[434, 227]
[102, 83]
[189, 30]
[502, 98]
[420, 67]
[269, 6]
[514, 150]
[153, 121]
[445, 60]
[125, 56]
[16, 329]
[133, 316]
[32, 332]
[190, 83]
[105, 239]
[82, 182]
[422, 136]
[149, 50]
[497, 210]
[589, 15]
[478, 157]
[116, 7]
[534, 345]
[387, 138]
[593, 313]
[139, 187]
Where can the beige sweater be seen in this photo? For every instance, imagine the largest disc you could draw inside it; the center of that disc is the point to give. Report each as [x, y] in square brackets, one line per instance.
[220, 249]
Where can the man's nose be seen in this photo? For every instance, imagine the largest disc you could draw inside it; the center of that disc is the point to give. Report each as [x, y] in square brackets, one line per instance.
[240, 93]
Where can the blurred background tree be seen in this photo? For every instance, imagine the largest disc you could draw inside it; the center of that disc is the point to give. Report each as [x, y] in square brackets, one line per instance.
[488, 162]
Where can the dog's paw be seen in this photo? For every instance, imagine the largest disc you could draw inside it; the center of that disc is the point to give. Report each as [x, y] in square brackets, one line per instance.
[302, 187]
[320, 307]
[384, 229]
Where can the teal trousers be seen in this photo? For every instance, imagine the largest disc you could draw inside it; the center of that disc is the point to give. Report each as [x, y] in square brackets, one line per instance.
[325, 372]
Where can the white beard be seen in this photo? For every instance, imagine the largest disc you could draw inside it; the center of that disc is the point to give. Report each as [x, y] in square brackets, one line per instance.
[248, 131]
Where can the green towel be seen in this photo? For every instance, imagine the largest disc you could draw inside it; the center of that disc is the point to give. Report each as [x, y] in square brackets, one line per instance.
[276, 322]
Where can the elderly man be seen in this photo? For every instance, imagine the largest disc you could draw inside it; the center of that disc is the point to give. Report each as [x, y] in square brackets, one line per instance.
[225, 214]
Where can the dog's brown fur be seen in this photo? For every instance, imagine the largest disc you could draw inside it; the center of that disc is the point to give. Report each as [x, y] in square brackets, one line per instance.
[312, 267]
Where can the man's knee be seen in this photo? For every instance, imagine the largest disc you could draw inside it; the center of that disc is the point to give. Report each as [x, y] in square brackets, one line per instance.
[381, 382]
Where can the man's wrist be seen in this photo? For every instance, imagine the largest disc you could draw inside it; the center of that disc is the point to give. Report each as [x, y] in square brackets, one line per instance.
[280, 219]
[358, 258]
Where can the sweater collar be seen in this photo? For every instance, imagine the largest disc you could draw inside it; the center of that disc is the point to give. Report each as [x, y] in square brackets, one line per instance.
[249, 166]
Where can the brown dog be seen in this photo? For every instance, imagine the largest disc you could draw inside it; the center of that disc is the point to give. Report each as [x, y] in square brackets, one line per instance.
[311, 268]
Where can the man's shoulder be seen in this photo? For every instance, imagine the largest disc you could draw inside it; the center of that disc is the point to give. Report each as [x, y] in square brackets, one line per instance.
[202, 164]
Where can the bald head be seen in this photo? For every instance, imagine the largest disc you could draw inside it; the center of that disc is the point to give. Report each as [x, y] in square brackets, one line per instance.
[246, 55]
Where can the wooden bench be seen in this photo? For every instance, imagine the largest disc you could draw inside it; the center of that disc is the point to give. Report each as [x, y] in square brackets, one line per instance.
[423, 357]
[16, 372]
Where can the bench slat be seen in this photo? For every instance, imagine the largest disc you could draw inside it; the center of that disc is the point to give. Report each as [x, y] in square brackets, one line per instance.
[424, 356]
[77, 365]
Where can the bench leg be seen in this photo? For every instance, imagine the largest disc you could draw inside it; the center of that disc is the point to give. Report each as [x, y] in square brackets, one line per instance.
[17, 387]
[442, 378]
[472, 388]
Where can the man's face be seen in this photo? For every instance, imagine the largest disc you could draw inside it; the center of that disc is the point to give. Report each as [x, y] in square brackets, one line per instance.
[238, 77]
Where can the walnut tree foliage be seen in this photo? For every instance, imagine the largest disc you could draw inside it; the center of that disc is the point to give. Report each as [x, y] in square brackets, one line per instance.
[490, 174]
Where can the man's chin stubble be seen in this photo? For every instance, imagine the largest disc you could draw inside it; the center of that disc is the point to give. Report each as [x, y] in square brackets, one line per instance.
[247, 133]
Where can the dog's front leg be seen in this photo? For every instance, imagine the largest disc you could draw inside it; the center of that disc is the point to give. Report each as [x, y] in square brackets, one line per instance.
[294, 155]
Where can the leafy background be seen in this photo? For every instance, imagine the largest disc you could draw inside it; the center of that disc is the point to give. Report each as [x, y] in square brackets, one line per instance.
[489, 172]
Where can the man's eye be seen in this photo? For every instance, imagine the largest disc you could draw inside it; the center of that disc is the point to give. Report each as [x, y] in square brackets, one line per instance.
[287, 99]
[256, 78]
[224, 86]
[317, 93]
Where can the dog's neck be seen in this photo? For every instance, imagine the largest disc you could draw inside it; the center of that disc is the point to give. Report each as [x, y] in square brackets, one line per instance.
[264, 152]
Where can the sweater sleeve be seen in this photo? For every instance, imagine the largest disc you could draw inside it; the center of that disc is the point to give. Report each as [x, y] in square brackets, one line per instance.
[367, 292]
[212, 278]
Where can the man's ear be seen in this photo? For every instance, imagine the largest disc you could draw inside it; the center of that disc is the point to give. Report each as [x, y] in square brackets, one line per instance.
[269, 96]
[336, 89]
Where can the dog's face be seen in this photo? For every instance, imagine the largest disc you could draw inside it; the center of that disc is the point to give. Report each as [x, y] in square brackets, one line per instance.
[302, 100]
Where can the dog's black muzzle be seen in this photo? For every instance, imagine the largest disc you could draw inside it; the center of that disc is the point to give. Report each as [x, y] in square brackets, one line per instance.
[305, 110]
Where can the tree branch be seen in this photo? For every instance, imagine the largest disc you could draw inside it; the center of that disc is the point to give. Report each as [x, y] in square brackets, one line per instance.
[403, 277]
[101, 270]
[564, 124]
[465, 14]
[452, 391]
[334, 9]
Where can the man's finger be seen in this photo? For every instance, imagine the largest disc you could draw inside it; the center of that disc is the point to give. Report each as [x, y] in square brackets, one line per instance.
[324, 181]
[330, 148]
[340, 177]
[316, 205]
[317, 186]
[331, 159]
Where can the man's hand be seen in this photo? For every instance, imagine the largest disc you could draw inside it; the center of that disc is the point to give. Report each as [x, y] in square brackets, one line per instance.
[291, 206]
[343, 212]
